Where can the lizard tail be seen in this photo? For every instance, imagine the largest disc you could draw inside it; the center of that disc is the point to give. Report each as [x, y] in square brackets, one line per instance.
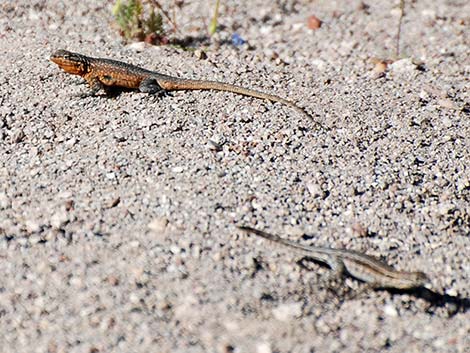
[185, 84]
[300, 249]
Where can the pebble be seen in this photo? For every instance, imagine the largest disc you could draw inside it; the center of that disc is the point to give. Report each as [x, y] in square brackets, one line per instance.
[447, 103]
[403, 65]
[139, 46]
[178, 169]
[4, 200]
[263, 348]
[452, 292]
[214, 145]
[32, 226]
[390, 310]
[58, 219]
[158, 225]
[18, 136]
[200, 54]
[313, 22]
[314, 189]
[287, 312]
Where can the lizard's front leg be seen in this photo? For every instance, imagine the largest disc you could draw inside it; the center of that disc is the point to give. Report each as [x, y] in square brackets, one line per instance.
[95, 86]
[337, 267]
[331, 281]
[104, 83]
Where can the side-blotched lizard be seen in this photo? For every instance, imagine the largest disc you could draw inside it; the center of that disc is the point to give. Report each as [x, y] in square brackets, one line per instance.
[360, 266]
[103, 74]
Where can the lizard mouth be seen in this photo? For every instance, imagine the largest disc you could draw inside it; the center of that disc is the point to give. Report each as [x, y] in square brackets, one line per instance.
[69, 62]
[67, 66]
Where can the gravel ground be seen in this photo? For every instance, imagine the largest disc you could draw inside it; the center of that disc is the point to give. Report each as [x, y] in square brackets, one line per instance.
[117, 215]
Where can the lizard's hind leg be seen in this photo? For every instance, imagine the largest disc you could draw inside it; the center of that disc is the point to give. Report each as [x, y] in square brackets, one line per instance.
[151, 86]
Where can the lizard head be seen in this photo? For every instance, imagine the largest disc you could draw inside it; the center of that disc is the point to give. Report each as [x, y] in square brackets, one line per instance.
[422, 278]
[71, 63]
[413, 280]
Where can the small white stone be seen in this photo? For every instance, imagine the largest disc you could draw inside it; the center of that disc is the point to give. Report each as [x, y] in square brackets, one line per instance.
[34, 239]
[138, 46]
[403, 65]
[297, 26]
[423, 95]
[23, 241]
[314, 189]
[263, 348]
[447, 103]
[451, 292]
[58, 219]
[134, 244]
[177, 169]
[76, 281]
[196, 251]
[175, 249]
[158, 225]
[287, 312]
[439, 343]
[462, 184]
[133, 298]
[446, 122]
[390, 310]
[445, 208]
[32, 226]
[65, 195]
[319, 63]
[137, 272]
[4, 201]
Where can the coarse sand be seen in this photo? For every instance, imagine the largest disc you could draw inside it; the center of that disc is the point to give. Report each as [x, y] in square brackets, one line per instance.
[118, 215]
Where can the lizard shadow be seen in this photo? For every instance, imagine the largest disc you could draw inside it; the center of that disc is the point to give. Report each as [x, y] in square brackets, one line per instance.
[455, 303]
[437, 300]
[114, 91]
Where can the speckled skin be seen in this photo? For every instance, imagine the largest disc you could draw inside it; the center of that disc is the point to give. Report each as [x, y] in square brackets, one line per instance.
[360, 266]
[102, 73]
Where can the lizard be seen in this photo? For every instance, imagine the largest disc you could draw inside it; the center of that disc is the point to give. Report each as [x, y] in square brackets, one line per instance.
[101, 73]
[360, 266]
